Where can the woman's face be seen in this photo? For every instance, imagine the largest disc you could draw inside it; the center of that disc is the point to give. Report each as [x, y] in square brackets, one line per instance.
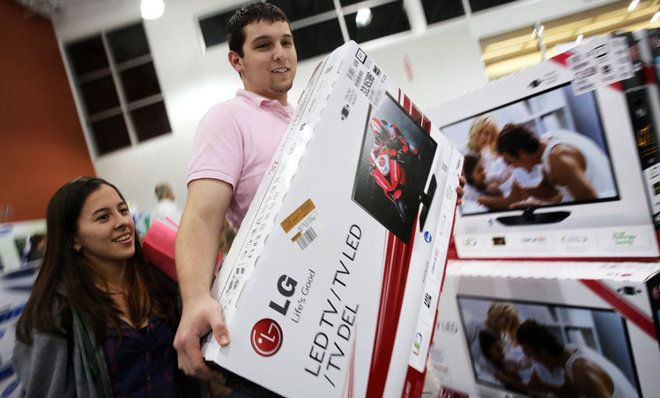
[479, 174]
[106, 233]
[486, 136]
[496, 353]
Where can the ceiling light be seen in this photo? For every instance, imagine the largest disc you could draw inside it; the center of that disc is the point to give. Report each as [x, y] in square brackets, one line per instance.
[152, 9]
[655, 17]
[633, 4]
[579, 39]
[363, 17]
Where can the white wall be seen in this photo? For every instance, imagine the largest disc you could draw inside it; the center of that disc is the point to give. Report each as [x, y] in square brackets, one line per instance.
[445, 59]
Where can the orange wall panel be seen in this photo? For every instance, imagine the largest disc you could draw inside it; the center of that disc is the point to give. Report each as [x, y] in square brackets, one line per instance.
[41, 141]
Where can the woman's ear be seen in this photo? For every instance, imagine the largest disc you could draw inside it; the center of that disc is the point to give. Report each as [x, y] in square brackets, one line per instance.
[76, 246]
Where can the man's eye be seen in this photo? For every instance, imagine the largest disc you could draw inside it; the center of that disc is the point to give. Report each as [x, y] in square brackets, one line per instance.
[287, 43]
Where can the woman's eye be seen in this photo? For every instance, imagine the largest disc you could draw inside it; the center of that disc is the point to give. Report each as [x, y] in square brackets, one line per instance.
[123, 211]
[103, 218]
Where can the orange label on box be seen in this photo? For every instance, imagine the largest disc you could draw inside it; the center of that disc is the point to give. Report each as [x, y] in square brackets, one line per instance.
[298, 215]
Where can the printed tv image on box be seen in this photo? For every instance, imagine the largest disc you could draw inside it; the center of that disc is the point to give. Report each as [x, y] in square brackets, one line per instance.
[540, 349]
[511, 155]
[395, 160]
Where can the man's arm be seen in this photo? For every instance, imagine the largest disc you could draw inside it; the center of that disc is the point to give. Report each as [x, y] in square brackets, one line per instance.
[568, 170]
[196, 254]
[591, 381]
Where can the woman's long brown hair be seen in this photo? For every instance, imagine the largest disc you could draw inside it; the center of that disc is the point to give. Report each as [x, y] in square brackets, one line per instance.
[65, 278]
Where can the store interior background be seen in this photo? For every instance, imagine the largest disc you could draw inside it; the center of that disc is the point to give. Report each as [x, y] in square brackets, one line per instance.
[45, 141]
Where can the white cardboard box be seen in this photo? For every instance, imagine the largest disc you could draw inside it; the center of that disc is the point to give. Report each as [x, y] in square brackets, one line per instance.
[330, 287]
[570, 95]
[610, 309]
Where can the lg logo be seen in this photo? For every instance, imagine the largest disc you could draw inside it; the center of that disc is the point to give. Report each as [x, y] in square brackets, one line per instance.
[266, 337]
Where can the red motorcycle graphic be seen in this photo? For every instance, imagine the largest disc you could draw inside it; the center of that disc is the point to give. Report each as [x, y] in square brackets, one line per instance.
[390, 156]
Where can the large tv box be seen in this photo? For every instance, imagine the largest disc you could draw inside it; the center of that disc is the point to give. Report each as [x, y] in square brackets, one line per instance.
[331, 285]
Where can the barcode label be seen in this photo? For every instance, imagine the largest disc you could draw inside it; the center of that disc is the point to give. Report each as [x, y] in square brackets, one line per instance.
[358, 80]
[306, 238]
[350, 73]
[367, 78]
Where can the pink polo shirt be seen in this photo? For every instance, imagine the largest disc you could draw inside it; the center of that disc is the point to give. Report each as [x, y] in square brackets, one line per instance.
[235, 142]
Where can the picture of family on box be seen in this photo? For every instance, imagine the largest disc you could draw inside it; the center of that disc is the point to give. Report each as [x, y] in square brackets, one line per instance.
[544, 150]
[546, 350]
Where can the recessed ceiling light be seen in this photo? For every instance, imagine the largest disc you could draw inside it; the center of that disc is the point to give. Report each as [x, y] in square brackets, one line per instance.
[152, 9]
[363, 17]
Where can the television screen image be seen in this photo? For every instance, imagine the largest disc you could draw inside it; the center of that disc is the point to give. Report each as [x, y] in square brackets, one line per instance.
[541, 151]
[394, 165]
[541, 349]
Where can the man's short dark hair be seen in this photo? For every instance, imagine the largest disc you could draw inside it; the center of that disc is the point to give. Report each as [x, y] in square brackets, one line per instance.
[516, 137]
[250, 13]
[539, 338]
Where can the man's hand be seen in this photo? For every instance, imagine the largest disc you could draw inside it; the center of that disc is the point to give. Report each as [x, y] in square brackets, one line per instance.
[459, 190]
[200, 316]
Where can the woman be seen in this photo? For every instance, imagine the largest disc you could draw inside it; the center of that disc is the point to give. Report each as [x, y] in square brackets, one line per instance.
[482, 141]
[100, 322]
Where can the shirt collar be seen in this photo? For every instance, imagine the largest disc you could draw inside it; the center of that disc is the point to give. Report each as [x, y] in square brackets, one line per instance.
[262, 101]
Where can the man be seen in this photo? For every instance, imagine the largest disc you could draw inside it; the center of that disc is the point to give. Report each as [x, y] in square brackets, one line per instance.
[589, 373]
[233, 147]
[574, 167]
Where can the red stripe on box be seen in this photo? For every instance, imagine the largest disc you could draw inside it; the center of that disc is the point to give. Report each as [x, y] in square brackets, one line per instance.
[414, 384]
[426, 125]
[649, 74]
[406, 104]
[622, 306]
[415, 114]
[351, 367]
[395, 275]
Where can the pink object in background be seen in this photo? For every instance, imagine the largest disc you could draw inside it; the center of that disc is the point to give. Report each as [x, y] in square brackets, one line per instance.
[158, 247]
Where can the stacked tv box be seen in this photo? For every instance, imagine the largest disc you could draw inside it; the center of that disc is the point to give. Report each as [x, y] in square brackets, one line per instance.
[543, 324]
[604, 312]
[332, 283]
[568, 97]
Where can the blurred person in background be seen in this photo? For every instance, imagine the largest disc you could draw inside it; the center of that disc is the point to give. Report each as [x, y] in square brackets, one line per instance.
[166, 207]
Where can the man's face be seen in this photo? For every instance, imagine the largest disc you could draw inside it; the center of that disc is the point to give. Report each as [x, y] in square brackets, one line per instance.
[524, 160]
[543, 359]
[268, 64]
